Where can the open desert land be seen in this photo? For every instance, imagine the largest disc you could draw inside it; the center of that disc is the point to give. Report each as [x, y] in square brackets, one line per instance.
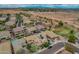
[10, 11]
[70, 17]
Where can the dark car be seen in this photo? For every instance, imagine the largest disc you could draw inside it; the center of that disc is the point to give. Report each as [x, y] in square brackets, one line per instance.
[49, 47]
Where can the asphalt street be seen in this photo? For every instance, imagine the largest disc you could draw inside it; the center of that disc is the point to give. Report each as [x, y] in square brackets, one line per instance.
[58, 46]
[54, 48]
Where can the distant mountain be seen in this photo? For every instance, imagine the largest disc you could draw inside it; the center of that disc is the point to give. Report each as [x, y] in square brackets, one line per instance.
[62, 6]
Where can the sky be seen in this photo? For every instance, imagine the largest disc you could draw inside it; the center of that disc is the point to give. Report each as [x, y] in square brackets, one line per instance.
[39, 6]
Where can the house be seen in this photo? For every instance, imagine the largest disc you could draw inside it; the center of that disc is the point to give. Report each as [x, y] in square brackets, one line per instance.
[50, 35]
[33, 39]
[18, 31]
[4, 35]
[46, 25]
[31, 30]
[2, 18]
[28, 22]
[5, 48]
[25, 19]
[40, 27]
[11, 22]
[13, 18]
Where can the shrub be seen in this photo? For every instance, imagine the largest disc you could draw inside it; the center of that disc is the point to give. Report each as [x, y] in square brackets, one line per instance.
[71, 37]
[32, 47]
[46, 44]
[69, 48]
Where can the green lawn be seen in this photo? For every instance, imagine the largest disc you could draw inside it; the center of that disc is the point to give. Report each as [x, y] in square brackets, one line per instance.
[2, 29]
[63, 31]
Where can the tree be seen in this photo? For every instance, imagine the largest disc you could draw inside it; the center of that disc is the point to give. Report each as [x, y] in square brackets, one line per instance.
[28, 46]
[32, 47]
[60, 23]
[46, 44]
[71, 37]
[72, 32]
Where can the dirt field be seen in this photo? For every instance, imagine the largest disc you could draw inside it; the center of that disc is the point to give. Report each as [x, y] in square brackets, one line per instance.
[68, 17]
[3, 11]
